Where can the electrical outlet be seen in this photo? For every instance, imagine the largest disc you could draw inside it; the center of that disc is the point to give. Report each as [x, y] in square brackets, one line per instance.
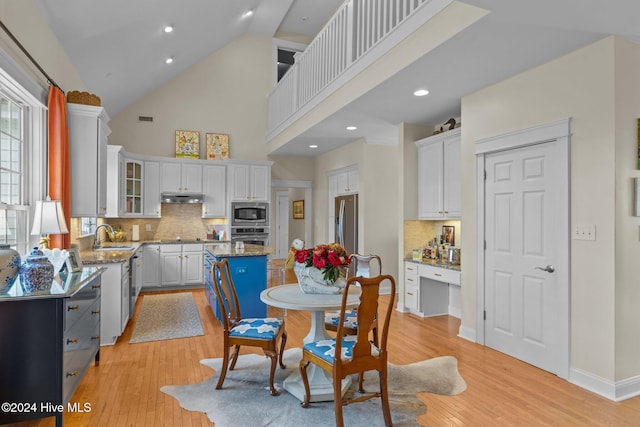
[148, 227]
[584, 232]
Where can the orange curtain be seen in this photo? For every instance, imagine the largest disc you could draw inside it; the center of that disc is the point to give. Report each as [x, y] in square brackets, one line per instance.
[59, 170]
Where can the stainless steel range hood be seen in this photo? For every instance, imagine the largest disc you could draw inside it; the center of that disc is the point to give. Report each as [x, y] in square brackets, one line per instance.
[181, 198]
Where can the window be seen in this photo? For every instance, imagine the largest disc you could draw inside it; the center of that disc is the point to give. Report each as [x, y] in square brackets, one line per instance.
[284, 52]
[22, 161]
[87, 225]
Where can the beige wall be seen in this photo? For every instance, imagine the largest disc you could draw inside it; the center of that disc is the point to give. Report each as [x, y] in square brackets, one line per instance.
[27, 25]
[627, 246]
[579, 86]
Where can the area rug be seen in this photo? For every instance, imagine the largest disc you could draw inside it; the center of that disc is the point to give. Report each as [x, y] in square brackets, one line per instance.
[165, 317]
[244, 399]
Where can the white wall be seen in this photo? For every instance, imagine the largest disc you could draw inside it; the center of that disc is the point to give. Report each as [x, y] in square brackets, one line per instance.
[579, 86]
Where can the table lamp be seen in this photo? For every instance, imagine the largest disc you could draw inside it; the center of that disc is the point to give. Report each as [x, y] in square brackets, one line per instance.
[48, 219]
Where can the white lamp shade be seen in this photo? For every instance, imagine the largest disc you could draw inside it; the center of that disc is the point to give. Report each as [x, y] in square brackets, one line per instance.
[49, 218]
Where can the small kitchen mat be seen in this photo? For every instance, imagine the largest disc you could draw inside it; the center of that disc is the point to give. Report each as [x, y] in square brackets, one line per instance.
[165, 317]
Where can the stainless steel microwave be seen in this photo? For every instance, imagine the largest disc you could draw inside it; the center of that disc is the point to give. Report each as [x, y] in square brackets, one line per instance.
[250, 213]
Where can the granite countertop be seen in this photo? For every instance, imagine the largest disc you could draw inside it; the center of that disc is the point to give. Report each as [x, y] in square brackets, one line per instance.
[91, 257]
[229, 250]
[435, 263]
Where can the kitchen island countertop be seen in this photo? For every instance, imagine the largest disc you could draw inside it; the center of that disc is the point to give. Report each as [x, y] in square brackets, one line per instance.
[229, 250]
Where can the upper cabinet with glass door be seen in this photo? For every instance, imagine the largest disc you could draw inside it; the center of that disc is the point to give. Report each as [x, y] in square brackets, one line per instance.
[133, 187]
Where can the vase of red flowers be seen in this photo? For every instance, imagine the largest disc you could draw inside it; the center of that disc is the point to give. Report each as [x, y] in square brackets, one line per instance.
[318, 269]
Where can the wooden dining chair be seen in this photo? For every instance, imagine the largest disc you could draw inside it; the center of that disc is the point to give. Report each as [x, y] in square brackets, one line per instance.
[360, 265]
[254, 332]
[357, 353]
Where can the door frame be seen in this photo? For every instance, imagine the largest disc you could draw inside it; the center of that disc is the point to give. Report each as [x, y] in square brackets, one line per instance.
[555, 131]
[308, 202]
[282, 230]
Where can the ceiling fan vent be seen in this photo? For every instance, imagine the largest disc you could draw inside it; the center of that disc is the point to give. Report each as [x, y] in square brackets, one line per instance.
[145, 118]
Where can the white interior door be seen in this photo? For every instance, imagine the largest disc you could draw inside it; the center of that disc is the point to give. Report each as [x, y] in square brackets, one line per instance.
[526, 304]
[282, 224]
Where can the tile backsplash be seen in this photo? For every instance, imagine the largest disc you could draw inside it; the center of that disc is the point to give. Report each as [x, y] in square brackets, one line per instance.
[417, 233]
[184, 220]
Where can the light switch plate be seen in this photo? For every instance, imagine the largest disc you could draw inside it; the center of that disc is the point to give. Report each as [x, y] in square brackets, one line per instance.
[584, 232]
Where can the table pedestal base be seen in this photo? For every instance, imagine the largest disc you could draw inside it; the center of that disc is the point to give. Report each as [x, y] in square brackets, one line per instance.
[320, 384]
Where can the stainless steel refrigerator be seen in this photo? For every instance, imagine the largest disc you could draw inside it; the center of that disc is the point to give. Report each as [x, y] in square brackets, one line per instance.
[347, 222]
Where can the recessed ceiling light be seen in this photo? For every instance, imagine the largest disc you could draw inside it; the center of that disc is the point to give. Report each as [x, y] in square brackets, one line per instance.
[168, 29]
[421, 92]
[168, 60]
[313, 146]
[352, 127]
[248, 13]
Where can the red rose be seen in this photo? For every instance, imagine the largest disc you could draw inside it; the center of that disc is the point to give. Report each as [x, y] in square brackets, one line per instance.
[319, 261]
[335, 259]
[301, 256]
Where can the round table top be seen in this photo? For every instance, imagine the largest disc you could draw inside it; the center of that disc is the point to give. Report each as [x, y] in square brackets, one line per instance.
[291, 296]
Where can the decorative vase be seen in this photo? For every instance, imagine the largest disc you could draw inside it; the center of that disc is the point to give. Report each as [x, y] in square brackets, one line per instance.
[36, 273]
[9, 267]
[311, 281]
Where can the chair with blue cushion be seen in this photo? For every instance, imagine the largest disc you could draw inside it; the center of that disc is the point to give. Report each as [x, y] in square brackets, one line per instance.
[254, 332]
[361, 265]
[357, 353]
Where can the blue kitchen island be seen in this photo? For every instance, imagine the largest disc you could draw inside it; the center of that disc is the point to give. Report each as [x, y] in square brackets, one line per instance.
[249, 273]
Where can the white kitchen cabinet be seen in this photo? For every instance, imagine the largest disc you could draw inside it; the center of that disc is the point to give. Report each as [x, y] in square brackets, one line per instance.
[182, 264]
[151, 267]
[411, 287]
[133, 185]
[115, 163]
[151, 190]
[347, 182]
[88, 136]
[249, 182]
[114, 304]
[177, 177]
[214, 186]
[439, 189]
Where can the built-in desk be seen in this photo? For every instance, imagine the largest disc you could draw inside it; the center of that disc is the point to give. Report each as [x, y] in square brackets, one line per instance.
[431, 288]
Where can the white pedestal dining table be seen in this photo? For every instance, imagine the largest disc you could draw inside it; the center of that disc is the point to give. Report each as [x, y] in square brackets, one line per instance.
[290, 296]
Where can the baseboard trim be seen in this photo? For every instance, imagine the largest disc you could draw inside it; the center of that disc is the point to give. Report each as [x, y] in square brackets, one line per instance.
[616, 391]
[467, 333]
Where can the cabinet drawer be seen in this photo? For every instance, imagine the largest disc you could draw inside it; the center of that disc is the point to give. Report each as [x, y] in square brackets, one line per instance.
[410, 269]
[82, 334]
[192, 247]
[76, 306]
[440, 274]
[411, 297]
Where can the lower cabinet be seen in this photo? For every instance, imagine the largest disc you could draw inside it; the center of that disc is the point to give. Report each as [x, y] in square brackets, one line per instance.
[115, 301]
[172, 265]
[48, 343]
[431, 291]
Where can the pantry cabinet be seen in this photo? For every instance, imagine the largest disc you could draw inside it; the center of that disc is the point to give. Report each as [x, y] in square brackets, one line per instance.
[88, 136]
[177, 177]
[214, 186]
[249, 182]
[439, 189]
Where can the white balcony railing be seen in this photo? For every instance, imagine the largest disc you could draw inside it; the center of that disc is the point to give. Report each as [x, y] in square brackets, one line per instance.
[355, 29]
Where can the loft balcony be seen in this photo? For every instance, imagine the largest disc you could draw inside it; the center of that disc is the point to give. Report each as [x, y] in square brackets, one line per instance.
[354, 46]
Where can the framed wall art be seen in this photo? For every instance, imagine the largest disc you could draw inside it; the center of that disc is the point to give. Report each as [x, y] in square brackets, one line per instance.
[298, 209]
[217, 146]
[188, 144]
[449, 234]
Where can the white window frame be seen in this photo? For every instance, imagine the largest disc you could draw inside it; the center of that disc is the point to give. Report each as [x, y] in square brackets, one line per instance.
[34, 156]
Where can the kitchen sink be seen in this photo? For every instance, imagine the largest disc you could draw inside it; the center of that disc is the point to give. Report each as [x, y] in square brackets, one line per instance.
[114, 248]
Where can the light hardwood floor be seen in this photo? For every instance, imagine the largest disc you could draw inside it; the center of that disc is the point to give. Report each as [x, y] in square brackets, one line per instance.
[125, 389]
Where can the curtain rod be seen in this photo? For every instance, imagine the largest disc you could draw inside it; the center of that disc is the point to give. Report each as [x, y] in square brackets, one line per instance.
[44, 73]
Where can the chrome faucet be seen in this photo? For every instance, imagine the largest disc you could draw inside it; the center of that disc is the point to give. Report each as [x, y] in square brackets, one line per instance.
[96, 241]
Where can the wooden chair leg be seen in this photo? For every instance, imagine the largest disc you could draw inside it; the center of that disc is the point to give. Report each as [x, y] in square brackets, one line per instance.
[283, 341]
[385, 399]
[305, 381]
[360, 381]
[337, 402]
[234, 359]
[274, 357]
[223, 368]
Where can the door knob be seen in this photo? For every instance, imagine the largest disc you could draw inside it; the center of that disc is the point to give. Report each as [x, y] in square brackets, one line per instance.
[548, 268]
